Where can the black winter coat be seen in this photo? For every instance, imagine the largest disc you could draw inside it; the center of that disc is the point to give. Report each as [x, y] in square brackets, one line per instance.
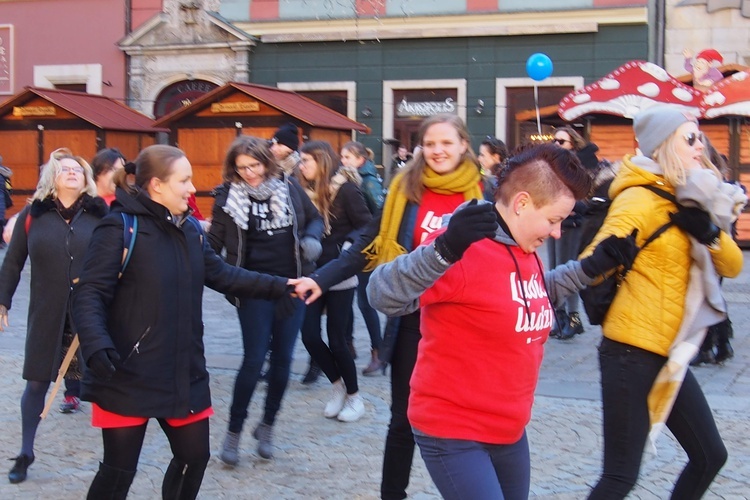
[56, 250]
[152, 315]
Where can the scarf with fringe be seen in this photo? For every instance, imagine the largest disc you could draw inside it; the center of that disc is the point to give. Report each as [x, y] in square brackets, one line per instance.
[273, 189]
[384, 248]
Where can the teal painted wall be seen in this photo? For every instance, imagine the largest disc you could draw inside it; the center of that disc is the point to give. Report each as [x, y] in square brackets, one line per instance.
[480, 60]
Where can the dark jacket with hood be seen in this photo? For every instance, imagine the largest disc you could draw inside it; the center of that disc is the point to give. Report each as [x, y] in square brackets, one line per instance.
[152, 315]
[56, 250]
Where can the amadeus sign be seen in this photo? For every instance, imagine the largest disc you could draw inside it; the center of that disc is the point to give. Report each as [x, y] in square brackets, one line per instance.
[425, 108]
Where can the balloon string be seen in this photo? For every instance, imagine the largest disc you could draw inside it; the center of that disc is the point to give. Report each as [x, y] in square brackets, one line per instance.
[536, 105]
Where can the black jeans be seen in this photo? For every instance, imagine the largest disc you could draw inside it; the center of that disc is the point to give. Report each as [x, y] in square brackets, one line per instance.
[399, 444]
[628, 374]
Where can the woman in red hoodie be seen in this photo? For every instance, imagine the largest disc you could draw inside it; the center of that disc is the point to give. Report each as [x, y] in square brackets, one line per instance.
[487, 307]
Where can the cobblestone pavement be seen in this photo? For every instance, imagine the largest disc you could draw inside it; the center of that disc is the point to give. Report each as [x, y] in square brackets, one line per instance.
[320, 458]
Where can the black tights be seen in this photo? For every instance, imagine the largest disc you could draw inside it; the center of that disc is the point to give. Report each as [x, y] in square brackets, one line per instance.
[122, 445]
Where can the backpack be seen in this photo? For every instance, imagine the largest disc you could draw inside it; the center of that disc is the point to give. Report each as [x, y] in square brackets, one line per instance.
[597, 298]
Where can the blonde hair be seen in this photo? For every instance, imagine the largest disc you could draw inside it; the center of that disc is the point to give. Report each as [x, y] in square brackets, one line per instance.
[672, 168]
[49, 171]
[412, 185]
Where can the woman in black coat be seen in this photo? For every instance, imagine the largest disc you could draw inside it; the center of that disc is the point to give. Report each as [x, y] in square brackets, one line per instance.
[142, 333]
[53, 233]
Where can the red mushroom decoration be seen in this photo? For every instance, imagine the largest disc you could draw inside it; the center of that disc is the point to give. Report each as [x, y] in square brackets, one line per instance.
[730, 96]
[630, 88]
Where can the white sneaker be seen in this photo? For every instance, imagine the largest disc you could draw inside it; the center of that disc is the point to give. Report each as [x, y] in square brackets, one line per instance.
[353, 410]
[336, 403]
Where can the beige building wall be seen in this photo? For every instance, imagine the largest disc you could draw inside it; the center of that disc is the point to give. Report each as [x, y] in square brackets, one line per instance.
[693, 27]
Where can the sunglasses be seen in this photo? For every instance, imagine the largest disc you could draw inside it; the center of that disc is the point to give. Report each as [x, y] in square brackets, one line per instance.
[692, 137]
[560, 141]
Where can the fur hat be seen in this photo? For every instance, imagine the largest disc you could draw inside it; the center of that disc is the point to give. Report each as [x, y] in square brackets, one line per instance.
[655, 124]
[287, 135]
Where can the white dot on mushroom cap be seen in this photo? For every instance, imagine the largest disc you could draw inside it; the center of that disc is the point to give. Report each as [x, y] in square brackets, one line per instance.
[649, 89]
[740, 76]
[609, 84]
[581, 98]
[657, 72]
[682, 94]
[714, 99]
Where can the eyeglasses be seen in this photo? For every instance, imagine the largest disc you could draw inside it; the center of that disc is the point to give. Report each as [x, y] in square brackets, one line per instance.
[246, 168]
[560, 141]
[77, 170]
[692, 137]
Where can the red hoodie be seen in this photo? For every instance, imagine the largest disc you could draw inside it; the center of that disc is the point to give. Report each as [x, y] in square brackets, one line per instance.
[484, 324]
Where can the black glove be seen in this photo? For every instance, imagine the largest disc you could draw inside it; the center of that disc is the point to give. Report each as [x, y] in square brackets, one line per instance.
[285, 305]
[609, 253]
[466, 226]
[311, 248]
[697, 223]
[102, 363]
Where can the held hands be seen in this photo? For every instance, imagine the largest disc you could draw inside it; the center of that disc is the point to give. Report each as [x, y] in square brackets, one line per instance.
[307, 289]
[609, 253]
[465, 227]
[102, 363]
[311, 248]
[697, 223]
[3, 318]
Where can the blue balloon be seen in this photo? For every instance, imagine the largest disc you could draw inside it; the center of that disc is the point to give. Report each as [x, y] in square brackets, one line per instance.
[539, 66]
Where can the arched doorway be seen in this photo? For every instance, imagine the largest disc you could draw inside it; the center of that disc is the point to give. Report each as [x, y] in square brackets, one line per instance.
[180, 94]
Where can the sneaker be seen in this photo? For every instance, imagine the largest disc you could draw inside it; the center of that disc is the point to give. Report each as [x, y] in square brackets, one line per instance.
[70, 404]
[353, 409]
[336, 403]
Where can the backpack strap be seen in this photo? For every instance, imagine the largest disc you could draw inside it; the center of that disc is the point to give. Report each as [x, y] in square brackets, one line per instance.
[197, 226]
[27, 222]
[129, 232]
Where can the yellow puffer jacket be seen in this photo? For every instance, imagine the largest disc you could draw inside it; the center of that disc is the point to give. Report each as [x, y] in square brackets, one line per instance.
[648, 307]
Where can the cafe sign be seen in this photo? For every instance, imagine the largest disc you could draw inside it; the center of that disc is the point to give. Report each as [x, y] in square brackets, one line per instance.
[235, 107]
[34, 111]
[425, 108]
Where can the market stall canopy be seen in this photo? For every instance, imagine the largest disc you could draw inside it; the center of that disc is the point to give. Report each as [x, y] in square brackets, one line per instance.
[627, 90]
[287, 102]
[101, 112]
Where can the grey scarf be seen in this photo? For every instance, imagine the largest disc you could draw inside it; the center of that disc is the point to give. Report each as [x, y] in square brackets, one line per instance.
[274, 190]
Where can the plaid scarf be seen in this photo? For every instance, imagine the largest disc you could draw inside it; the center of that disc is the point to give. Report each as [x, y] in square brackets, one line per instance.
[273, 189]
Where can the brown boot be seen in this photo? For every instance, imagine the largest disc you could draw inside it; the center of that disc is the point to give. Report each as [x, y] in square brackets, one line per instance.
[375, 365]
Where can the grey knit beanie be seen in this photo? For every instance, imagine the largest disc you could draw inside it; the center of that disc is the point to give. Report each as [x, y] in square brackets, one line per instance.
[655, 124]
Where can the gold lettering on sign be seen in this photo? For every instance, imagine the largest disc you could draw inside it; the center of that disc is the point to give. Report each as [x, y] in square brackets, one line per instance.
[34, 111]
[234, 107]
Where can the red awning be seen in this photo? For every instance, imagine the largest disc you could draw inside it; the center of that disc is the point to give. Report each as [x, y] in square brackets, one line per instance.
[288, 102]
[102, 112]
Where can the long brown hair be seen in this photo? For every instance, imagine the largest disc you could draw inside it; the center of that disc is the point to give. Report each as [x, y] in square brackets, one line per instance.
[412, 185]
[328, 163]
[250, 146]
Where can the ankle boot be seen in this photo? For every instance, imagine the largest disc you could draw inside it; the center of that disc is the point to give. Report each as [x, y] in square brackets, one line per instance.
[17, 473]
[313, 372]
[182, 481]
[110, 483]
[724, 351]
[704, 356]
[264, 434]
[230, 453]
[375, 365]
[572, 327]
[561, 318]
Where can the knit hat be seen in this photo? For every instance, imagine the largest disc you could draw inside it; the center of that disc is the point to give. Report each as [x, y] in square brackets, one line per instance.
[655, 124]
[287, 135]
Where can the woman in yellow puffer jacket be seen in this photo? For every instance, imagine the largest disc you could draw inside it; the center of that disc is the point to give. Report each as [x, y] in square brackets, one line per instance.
[659, 316]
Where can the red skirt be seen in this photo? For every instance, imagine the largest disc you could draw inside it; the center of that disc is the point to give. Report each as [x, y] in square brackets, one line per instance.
[107, 420]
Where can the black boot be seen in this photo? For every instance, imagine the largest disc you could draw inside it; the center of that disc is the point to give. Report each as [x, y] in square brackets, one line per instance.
[561, 318]
[182, 481]
[572, 327]
[313, 372]
[704, 357]
[724, 332]
[110, 483]
[17, 473]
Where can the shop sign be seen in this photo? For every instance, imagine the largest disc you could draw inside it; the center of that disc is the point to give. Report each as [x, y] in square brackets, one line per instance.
[6, 59]
[425, 108]
[235, 107]
[180, 94]
[34, 111]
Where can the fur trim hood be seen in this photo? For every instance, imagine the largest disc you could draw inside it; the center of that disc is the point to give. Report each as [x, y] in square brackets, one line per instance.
[96, 206]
